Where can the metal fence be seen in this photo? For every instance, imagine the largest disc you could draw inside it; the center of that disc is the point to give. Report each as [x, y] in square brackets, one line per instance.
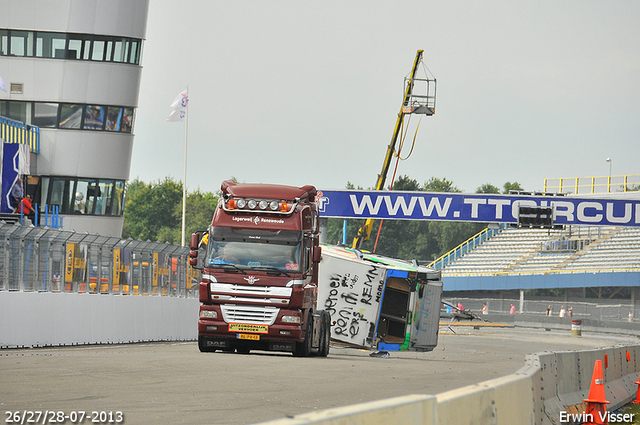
[51, 260]
[606, 310]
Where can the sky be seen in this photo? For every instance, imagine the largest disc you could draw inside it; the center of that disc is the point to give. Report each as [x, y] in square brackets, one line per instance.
[307, 92]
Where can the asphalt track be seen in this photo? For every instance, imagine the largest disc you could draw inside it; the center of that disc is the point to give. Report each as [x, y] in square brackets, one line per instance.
[173, 383]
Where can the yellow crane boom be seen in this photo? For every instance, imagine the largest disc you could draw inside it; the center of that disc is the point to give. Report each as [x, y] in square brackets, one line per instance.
[416, 104]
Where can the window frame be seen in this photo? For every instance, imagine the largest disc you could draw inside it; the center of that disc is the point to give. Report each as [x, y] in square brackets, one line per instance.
[129, 48]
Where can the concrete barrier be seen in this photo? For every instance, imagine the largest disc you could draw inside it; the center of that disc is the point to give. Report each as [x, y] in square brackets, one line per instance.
[549, 385]
[33, 319]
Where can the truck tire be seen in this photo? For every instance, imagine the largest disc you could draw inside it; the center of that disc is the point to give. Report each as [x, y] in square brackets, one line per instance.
[202, 347]
[325, 334]
[303, 349]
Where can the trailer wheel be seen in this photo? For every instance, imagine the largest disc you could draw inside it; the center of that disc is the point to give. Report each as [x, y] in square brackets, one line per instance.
[325, 334]
[303, 349]
[202, 347]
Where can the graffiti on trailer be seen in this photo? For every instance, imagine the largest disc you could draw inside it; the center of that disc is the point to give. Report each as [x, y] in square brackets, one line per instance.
[351, 303]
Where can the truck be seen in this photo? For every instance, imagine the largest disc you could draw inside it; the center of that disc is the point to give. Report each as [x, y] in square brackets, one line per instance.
[259, 261]
[377, 302]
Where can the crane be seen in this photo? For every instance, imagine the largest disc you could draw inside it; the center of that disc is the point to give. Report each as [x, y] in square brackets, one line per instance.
[412, 104]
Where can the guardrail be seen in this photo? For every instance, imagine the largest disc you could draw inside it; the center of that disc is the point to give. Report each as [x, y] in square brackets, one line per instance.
[548, 388]
[594, 184]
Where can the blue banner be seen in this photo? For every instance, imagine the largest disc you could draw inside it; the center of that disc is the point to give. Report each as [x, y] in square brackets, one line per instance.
[615, 210]
[10, 174]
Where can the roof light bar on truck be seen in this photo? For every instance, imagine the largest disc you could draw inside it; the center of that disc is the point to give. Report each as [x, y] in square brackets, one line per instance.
[271, 206]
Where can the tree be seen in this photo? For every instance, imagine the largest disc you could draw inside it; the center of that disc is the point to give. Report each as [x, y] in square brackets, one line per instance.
[406, 183]
[335, 226]
[511, 186]
[487, 188]
[440, 185]
[154, 211]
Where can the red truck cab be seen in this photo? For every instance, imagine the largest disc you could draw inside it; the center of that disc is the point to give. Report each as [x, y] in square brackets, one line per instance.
[259, 261]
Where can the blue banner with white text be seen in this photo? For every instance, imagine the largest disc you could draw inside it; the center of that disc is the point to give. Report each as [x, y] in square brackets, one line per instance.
[602, 210]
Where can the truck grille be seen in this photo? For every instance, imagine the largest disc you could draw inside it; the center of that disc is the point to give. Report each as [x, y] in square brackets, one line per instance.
[232, 313]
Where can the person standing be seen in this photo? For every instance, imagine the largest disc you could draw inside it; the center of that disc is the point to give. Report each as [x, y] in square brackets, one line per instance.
[25, 207]
[17, 193]
[561, 312]
[513, 309]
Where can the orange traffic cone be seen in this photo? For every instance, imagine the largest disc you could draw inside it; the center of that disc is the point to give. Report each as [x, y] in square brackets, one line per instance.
[637, 400]
[596, 412]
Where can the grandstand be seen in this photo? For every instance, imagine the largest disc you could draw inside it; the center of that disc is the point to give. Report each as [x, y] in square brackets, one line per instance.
[517, 251]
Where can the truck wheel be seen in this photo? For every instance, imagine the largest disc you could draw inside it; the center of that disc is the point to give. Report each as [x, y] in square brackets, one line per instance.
[202, 347]
[303, 349]
[325, 334]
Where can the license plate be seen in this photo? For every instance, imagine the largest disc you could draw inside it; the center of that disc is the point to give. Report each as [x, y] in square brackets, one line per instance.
[254, 337]
[246, 327]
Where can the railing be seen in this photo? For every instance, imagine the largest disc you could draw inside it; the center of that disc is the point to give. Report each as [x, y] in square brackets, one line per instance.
[41, 259]
[50, 217]
[610, 310]
[466, 246]
[16, 132]
[600, 184]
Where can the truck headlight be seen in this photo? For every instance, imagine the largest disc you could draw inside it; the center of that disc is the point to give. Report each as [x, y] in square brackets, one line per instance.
[209, 313]
[291, 319]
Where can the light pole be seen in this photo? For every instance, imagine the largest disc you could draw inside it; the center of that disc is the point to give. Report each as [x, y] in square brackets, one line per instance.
[609, 184]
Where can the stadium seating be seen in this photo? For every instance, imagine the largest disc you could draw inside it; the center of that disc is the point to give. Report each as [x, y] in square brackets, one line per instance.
[545, 251]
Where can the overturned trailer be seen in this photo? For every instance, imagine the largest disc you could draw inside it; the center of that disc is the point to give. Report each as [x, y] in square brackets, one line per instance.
[379, 302]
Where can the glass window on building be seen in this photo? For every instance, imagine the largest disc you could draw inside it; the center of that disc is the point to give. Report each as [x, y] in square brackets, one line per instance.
[45, 115]
[21, 43]
[97, 54]
[104, 197]
[114, 115]
[121, 50]
[79, 47]
[70, 116]
[94, 117]
[84, 196]
[127, 120]
[4, 42]
[84, 200]
[50, 45]
[16, 110]
[134, 57]
[108, 50]
[61, 194]
[118, 198]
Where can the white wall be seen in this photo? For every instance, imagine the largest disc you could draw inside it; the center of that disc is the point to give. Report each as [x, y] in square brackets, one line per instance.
[32, 319]
[113, 17]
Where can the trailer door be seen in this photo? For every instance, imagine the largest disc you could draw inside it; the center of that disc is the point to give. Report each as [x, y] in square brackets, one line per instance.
[426, 315]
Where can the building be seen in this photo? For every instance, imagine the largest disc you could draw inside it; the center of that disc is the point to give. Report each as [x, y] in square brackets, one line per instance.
[73, 69]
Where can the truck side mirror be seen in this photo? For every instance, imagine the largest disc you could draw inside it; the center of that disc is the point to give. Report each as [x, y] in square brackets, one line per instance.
[193, 262]
[317, 254]
[195, 241]
[193, 254]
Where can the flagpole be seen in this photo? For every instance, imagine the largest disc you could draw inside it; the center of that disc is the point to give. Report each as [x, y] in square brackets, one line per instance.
[184, 181]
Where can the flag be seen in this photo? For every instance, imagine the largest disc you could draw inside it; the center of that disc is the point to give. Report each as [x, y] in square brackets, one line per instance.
[2, 86]
[179, 107]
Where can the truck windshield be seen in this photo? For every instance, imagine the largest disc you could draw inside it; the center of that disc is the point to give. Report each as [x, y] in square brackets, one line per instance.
[279, 251]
